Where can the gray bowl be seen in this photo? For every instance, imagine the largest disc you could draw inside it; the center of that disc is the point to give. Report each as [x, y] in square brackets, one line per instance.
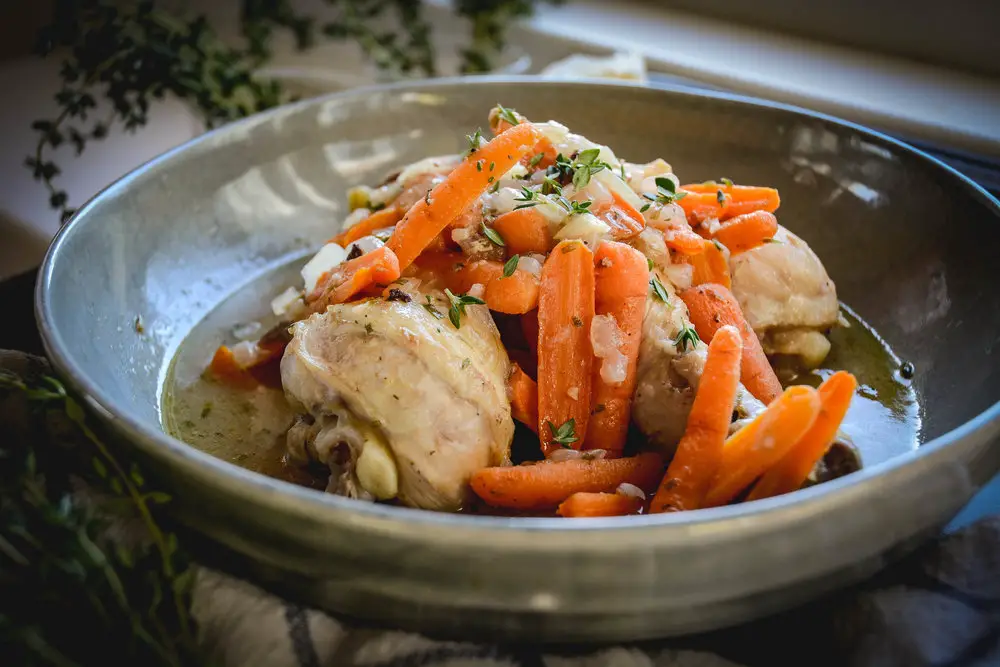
[910, 243]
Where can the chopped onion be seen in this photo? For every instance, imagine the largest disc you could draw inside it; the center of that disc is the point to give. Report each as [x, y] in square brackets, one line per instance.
[565, 454]
[573, 392]
[530, 264]
[366, 244]
[246, 330]
[244, 353]
[477, 290]
[630, 491]
[613, 182]
[680, 275]
[606, 340]
[586, 227]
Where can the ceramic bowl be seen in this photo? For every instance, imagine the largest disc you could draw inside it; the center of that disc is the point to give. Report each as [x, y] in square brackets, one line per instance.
[911, 244]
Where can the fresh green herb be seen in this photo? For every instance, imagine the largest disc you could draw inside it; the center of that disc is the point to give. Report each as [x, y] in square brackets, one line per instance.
[720, 197]
[579, 170]
[492, 234]
[206, 409]
[466, 363]
[666, 192]
[686, 337]
[574, 207]
[458, 304]
[565, 434]
[510, 266]
[659, 290]
[718, 246]
[645, 207]
[475, 141]
[725, 181]
[493, 165]
[527, 195]
[621, 166]
[479, 165]
[430, 308]
[577, 322]
[535, 159]
[507, 114]
[550, 186]
[494, 187]
[491, 179]
[649, 263]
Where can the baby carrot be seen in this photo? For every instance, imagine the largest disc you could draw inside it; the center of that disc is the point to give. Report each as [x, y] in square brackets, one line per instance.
[621, 279]
[525, 231]
[469, 180]
[747, 231]
[711, 307]
[514, 294]
[729, 200]
[710, 266]
[700, 450]
[756, 447]
[791, 471]
[353, 276]
[565, 355]
[544, 485]
[523, 397]
[583, 504]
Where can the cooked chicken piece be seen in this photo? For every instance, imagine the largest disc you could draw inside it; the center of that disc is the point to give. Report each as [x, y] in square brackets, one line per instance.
[396, 401]
[667, 376]
[786, 296]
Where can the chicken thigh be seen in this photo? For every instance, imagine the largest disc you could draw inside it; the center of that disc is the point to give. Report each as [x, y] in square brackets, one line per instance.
[396, 400]
[786, 296]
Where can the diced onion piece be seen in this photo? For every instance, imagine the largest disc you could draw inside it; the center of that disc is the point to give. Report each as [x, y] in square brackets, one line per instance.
[586, 227]
[564, 454]
[244, 353]
[531, 264]
[615, 184]
[365, 244]
[574, 393]
[477, 290]
[630, 491]
[680, 275]
[286, 301]
[328, 257]
[376, 469]
[606, 340]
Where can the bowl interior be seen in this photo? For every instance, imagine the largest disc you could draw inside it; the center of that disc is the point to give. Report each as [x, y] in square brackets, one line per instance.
[909, 244]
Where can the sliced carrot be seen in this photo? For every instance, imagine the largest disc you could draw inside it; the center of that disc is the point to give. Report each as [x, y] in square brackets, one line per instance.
[737, 200]
[747, 231]
[565, 355]
[525, 231]
[515, 294]
[710, 266]
[788, 474]
[711, 307]
[583, 504]
[546, 484]
[623, 218]
[759, 445]
[430, 215]
[621, 285]
[378, 267]
[523, 397]
[699, 452]
[387, 217]
[264, 369]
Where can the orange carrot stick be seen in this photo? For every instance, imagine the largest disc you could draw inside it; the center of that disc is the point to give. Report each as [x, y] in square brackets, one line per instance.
[710, 266]
[515, 294]
[429, 216]
[792, 470]
[565, 355]
[736, 200]
[378, 267]
[711, 307]
[699, 452]
[525, 231]
[544, 485]
[583, 504]
[763, 442]
[523, 393]
[387, 217]
[621, 281]
[747, 231]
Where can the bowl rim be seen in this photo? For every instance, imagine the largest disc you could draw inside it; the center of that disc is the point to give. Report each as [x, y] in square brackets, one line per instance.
[290, 497]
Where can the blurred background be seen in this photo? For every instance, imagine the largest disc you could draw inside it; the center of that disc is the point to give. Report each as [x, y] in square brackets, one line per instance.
[919, 70]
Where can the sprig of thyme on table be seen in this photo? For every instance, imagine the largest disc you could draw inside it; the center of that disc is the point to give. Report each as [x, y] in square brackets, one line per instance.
[69, 595]
[133, 54]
